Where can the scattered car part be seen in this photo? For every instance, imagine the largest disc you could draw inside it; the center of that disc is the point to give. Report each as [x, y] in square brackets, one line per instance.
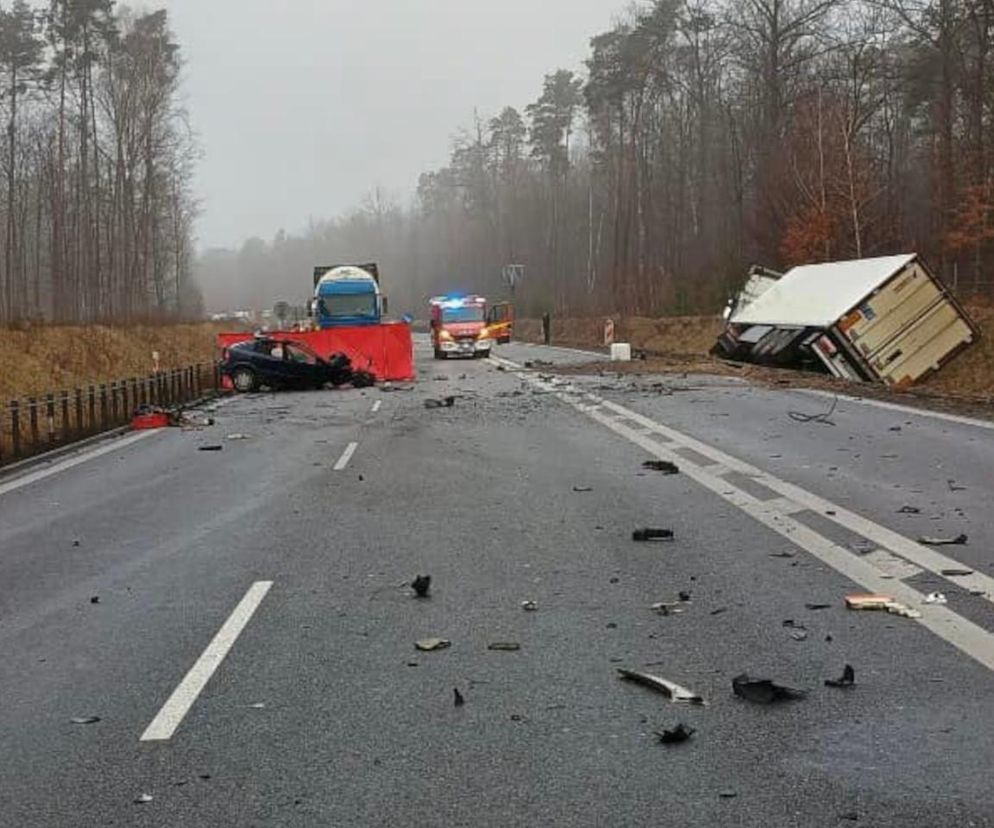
[143, 799]
[676, 735]
[817, 606]
[84, 720]
[429, 644]
[959, 540]
[873, 601]
[644, 535]
[663, 466]
[445, 402]
[763, 690]
[239, 436]
[956, 573]
[421, 584]
[824, 418]
[662, 608]
[458, 697]
[529, 606]
[909, 510]
[847, 679]
[504, 646]
[674, 692]
[210, 448]
[935, 598]
[582, 489]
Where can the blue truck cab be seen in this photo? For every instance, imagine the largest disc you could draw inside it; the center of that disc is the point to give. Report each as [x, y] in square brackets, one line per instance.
[347, 295]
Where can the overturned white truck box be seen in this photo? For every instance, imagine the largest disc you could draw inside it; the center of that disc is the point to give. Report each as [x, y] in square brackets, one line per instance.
[887, 319]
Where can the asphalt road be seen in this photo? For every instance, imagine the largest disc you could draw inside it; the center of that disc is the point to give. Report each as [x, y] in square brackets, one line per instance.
[252, 661]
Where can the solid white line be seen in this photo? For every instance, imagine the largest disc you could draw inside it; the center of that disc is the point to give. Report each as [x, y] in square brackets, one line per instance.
[48, 471]
[904, 409]
[377, 405]
[966, 636]
[179, 703]
[343, 461]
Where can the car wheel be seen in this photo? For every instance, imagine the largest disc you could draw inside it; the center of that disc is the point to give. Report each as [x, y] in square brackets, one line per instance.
[439, 354]
[244, 380]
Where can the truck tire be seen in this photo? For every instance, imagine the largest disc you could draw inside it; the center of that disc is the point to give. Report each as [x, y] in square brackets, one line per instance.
[243, 379]
[439, 354]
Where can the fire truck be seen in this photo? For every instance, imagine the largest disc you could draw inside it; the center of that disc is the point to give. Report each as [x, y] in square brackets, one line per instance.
[459, 326]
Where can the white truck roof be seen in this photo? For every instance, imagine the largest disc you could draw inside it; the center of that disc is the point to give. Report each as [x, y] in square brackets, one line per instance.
[817, 296]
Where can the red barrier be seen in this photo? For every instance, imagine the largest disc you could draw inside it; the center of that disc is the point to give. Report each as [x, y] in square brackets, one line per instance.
[385, 350]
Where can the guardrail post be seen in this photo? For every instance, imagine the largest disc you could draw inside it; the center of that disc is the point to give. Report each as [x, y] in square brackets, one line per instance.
[92, 405]
[103, 407]
[50, 418]
[15, 427]
[79, 410]
[33, 415]
[113, 403]
[64, 405]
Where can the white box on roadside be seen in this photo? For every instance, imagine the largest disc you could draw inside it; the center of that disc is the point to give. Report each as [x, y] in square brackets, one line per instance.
[621, 352]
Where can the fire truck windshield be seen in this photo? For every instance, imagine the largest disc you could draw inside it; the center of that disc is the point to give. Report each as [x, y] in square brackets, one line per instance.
[469, 313]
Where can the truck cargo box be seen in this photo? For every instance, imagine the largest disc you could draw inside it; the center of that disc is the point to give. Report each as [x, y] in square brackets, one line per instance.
[886, 319]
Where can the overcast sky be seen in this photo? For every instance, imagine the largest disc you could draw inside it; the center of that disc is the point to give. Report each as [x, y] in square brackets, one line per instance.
[303, 106]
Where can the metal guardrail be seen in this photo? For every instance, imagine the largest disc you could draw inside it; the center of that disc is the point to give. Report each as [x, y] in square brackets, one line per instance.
[32, 425]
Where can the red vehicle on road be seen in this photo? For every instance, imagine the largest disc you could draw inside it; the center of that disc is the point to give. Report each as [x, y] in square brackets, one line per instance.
[459, 326]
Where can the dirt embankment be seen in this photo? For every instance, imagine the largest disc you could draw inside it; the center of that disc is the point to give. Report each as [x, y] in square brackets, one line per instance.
[682, 343]
[54, 358]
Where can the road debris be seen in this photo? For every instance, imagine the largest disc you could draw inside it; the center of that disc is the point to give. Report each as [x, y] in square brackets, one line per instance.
[676, 735]
[210, 448]
[719, 610]
[684, 596]
[239, 436]
[909, 510]
[143, 799]
[529, 606]
[822, 419]
[727, 794]
[783, 554]
[257, 706]
[445, 402]
[95, 599]
[817, 606]
[799, 635]
[674, 692]
[458, 697]
[84, 720]
[429, 644]
[663, 608]
[763, 690]
[662, 466]
[583, 489]
[935, 598]
[644, 535]
[504, 646]
[539, 363]
[954, 486]
[875, 601]
[959, 540]
[421, 584]
[956, 573]
[847, 679]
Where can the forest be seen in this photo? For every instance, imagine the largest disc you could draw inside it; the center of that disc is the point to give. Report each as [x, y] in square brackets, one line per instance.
[700, 137]
[97, 208]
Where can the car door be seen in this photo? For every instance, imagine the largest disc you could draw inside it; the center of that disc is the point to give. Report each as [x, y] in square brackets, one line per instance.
[302, 367]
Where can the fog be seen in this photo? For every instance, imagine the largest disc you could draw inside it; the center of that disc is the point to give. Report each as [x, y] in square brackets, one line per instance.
[303, 107]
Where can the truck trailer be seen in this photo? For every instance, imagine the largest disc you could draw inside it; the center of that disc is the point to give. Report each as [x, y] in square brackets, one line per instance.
[887, 319]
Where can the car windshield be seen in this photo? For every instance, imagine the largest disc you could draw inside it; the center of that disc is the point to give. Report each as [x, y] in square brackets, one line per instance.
[349, 304]
[473, 313]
